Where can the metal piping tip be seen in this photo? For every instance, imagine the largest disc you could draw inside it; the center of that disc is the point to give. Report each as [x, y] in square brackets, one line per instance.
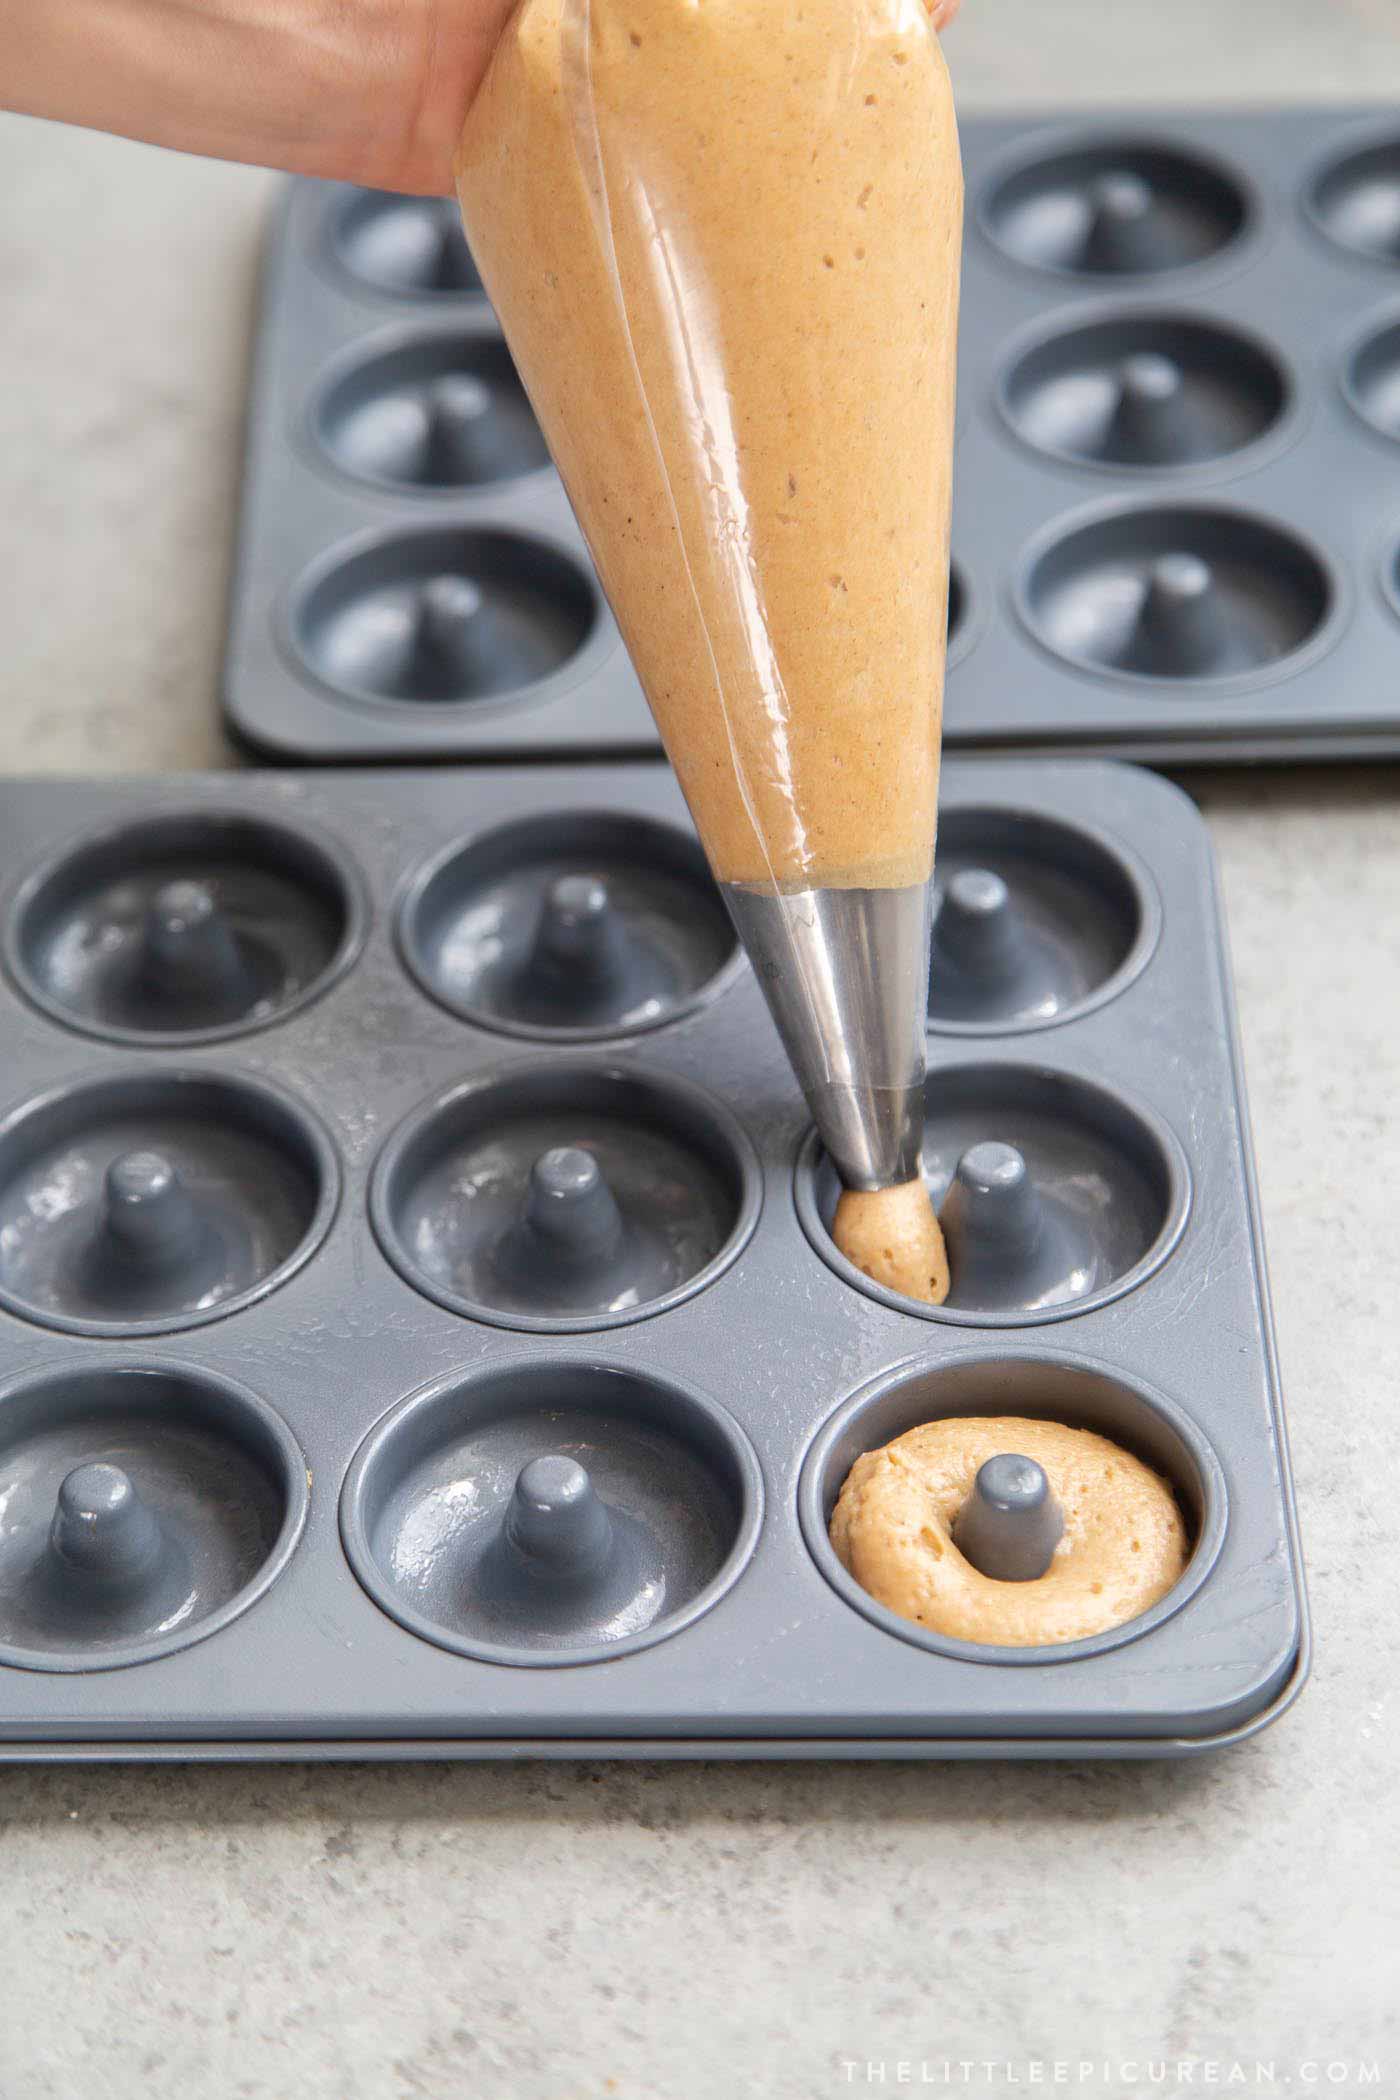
[845, 975]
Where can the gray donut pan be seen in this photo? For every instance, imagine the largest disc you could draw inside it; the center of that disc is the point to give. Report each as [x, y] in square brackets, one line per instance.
[1320, 471]
[782, 1664]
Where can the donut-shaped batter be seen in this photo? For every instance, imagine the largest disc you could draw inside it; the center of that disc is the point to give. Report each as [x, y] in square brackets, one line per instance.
[1124, 1542]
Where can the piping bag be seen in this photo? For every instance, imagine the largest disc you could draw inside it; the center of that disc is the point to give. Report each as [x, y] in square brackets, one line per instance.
[722, 238]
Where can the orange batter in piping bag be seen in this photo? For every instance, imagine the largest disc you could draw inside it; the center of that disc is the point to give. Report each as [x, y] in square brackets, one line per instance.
[722, 238]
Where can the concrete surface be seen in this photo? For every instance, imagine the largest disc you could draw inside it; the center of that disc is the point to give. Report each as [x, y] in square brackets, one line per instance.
[538, 1934]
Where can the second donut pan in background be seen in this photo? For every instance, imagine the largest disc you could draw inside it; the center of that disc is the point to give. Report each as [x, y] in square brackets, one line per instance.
[323, 1097]
[1176, 532]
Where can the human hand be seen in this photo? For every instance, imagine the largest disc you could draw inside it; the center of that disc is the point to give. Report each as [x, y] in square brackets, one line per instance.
[371, 91]
[366, 91]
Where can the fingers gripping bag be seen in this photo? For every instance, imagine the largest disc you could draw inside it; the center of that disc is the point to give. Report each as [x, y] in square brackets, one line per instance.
[722, 238]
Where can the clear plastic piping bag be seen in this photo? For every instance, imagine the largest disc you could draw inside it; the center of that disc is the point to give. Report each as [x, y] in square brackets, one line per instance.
[722, 238]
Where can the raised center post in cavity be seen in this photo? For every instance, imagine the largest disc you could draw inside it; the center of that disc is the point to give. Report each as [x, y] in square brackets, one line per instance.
[102, 1529]
[556, 1525]
[190, 947]
[1149, 425]
[977, 931]
[578, 938]
[149, 1216]
[1010, 1524]
[993, 1209]
[467, 643]
[448, 608]
[1120, 227]
[461, 430]
[1180, 629]
[570, 1209]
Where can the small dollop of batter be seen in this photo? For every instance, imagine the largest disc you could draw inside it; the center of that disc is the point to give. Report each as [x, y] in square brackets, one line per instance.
[893, 1236]
[1124, 1543]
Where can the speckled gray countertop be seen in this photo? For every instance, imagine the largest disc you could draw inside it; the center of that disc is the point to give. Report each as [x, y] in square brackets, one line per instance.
[696, 1933]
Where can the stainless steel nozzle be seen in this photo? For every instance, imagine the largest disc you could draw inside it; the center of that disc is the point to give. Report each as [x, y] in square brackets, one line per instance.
[845, 974]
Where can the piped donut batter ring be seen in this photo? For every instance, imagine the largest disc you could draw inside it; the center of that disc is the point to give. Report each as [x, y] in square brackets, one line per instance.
[1124, 1542]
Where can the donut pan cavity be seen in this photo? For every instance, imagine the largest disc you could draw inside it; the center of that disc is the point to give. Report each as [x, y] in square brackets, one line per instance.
[185, 929]
[1175, 527]
[410, 1377]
